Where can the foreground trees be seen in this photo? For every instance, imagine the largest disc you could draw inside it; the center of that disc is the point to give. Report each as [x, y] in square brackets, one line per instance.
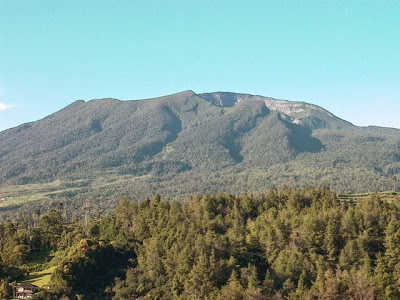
[288, 244]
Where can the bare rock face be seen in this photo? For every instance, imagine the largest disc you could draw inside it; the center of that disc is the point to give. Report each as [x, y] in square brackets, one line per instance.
[295, 112]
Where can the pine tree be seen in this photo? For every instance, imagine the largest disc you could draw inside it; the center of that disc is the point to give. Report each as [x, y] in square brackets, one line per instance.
[383, 279]
[249, 280]
[233, 290]
[268, 284]
[200, 282]
[360, 287]
[301, 291]
[329, 242]
[330, 287]
[392, 242]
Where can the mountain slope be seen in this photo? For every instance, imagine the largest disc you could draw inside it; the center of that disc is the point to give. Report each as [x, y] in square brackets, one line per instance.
[187, 143]
[296, 112]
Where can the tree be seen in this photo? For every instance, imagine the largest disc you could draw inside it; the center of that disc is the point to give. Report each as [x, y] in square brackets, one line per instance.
[51, 227]
[123, 213]
[301, 291]
[249, 280]
[394, 179]
[329, 288]
[361, 286]
[5, 290]
[233, 290]
[200, 281]
[383, 279]
[392, 242]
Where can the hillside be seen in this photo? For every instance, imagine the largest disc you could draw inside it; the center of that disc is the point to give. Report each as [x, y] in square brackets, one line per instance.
[191, 143]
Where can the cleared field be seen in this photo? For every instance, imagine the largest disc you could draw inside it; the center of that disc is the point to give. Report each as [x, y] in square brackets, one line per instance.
[13, 197]
[40, 278]
[17, 195]
[385, 196]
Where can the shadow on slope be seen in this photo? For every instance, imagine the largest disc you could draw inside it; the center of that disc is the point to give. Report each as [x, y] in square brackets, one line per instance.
[301, 139]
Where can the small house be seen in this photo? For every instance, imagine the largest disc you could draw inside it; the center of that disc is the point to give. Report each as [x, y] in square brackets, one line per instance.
[24, 290]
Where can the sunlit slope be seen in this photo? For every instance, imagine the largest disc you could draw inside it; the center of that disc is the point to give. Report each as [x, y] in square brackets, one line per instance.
[187, 143]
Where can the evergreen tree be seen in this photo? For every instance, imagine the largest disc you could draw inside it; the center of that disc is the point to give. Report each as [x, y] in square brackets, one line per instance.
[5, 290]
[200, 281]
[233, 290]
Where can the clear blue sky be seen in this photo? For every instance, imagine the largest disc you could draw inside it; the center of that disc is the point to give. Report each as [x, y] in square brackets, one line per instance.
[339, 54]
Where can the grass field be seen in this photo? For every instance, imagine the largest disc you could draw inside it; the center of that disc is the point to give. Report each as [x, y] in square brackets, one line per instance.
[385, 196]
[17, 195]
[40, 278]
[13, 197]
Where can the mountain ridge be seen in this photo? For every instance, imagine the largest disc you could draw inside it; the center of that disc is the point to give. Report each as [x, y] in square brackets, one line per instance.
[188, 143]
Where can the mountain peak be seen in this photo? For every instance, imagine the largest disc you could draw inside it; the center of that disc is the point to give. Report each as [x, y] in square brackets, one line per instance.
[189, 143]
[183, 94]
[297, 112]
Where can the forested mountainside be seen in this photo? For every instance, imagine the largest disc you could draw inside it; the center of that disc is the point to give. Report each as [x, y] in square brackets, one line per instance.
[287, 244]
[186, 143]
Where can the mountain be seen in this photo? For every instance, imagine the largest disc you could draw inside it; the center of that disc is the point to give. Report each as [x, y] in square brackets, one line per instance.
[189, 143]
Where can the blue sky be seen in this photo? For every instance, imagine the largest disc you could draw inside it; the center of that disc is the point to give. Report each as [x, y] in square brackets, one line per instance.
[341, 55]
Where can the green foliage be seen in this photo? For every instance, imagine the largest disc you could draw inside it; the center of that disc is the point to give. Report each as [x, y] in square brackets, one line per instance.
[89, 267]
[286, 244]
[103, 149]
[264, 243]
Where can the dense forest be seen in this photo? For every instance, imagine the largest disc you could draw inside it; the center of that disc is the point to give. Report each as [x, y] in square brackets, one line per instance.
[286, 244]
[184, 144]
